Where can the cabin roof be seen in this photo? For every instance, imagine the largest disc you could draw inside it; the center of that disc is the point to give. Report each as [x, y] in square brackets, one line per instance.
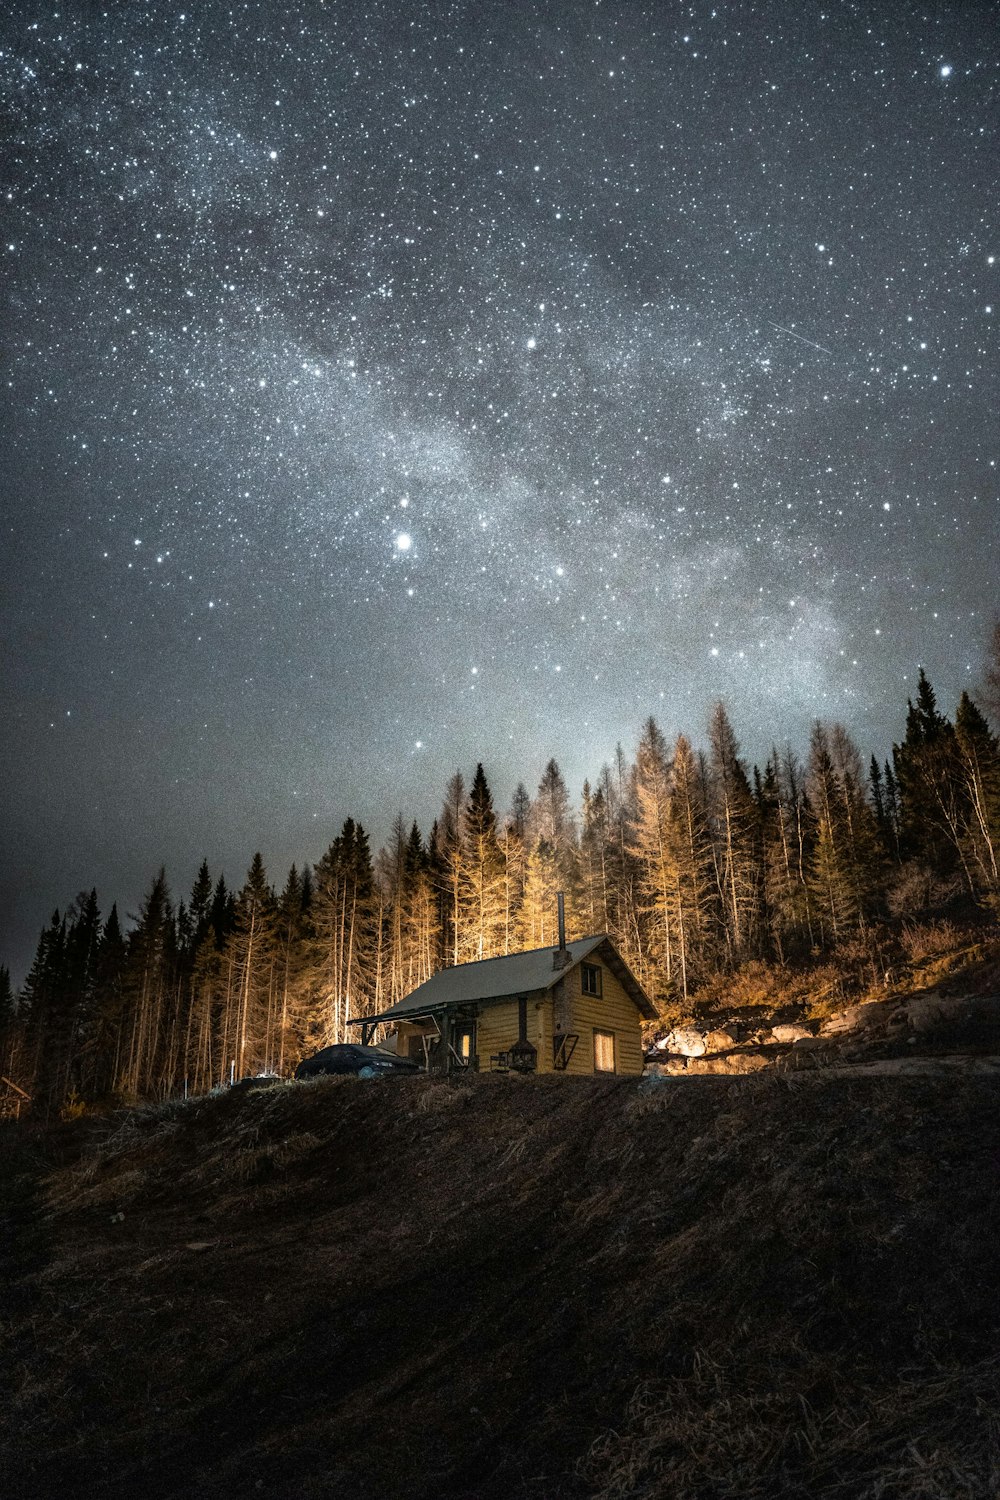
[503, 978]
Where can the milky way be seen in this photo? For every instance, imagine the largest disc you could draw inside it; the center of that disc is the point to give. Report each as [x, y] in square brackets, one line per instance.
[393, 386]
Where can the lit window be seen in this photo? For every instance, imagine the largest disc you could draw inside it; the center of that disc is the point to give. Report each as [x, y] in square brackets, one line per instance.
[464, 1042]
[604, 1052]
[590, 979]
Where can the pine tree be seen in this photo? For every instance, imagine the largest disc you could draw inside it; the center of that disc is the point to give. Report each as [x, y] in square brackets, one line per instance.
[109, 1006]
[82, 946]
[344, 920]
[391, 870]
[420, 931]
[651, 847]
[482, 893]
[621, 875]
[931, 791]
[736, 838]
[695, 907]
[251, 1027]
[847, 856]
[785, 820]
[147, 991]
[593, 861]
[45, 1014]
[448, 867]
[551, 863]
[513, 847]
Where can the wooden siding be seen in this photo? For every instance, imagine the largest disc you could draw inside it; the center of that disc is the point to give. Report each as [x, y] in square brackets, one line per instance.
[405, 1031]
[496, 1029]
[611, 1010]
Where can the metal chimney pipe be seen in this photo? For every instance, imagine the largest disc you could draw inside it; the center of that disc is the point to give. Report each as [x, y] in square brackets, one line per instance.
[561, 904]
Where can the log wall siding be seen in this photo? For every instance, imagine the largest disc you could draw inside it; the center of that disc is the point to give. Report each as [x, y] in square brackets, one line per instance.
[496, 1029]
[611, 1010]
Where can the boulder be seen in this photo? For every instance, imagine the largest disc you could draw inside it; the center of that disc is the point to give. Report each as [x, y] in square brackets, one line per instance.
[788, 1034]
[720, 1041]
[925, 1012]
[871, 1015]
[686, 1042]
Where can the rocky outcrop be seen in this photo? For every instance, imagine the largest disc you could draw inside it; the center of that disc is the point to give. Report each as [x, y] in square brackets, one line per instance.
[873, 1031]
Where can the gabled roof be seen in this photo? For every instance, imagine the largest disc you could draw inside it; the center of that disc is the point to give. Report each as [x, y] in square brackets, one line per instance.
[504, 978]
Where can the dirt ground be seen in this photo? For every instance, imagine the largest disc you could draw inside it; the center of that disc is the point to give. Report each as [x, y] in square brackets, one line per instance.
[506, 1287]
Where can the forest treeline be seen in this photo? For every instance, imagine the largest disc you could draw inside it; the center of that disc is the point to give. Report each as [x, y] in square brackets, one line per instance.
[694, 863]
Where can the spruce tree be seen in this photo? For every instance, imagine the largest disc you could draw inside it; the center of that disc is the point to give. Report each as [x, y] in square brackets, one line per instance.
[482, 893]
[513, 844]
[933, 814]
[552, 861]
[651, 848]
[251, 1029]
[344, 922]
[695, 908]
[736, 837]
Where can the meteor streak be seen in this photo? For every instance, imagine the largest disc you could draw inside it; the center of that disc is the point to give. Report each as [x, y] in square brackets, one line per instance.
[791, 332]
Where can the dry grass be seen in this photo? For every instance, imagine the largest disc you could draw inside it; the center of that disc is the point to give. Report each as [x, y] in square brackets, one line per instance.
[707, 1437]
[920, 940]
[705, 1289]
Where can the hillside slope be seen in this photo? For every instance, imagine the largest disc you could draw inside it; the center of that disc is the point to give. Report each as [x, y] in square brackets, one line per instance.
[701, 1287]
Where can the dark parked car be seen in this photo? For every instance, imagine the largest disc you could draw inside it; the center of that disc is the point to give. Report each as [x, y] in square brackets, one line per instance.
[350, 1057]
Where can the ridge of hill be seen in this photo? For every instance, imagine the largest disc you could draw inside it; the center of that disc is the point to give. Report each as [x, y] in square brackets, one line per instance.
[779, 1285]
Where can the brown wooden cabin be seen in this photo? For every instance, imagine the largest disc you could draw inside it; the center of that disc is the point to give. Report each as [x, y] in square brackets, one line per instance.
[572, 1009]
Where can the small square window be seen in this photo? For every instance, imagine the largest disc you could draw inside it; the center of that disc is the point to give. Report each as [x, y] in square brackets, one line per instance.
[604, 1052]
[590, 979]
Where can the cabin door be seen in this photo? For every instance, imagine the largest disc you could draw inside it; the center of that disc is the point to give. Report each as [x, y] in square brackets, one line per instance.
[464, 1042]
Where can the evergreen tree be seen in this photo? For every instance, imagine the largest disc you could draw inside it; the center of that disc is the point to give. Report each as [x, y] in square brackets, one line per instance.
[931, 791]
[551, 864]
[420, 934]
[652, 850]
[251, 1025]
[695, 906]
[736, 838]
[448, 868]
[391, 868]
[513, 846]
[83, 937]
[344, 917]
[45, 1013]
[785, 820]
[109, 1007]
[593, 862]
[847, 857]
[621, 875]
[147, 993]
[482, 891]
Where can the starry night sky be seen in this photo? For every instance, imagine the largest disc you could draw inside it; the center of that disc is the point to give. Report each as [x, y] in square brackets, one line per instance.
[391, 386]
